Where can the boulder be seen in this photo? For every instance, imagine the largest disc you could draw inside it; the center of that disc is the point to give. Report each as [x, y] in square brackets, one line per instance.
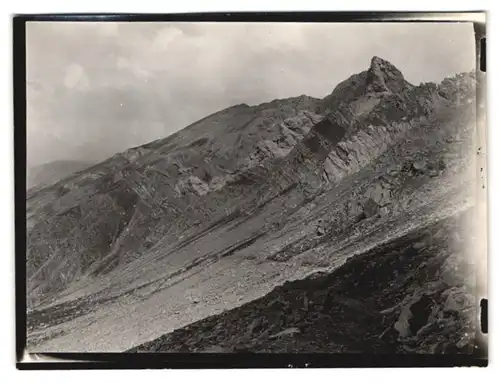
[402, 325]
[380, 193]
[370, 208]
[419, 166]
[354, 208]
[215, 349]
[394, 170]
[457, 300]
[384, 211]
[288, 331]
[441, 164]
[414, 315]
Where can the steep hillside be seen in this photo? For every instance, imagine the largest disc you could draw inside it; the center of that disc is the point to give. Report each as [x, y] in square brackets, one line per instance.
[225, 210]
[404, 296]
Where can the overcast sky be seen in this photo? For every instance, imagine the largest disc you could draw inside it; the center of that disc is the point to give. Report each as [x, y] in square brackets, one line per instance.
[98, 88]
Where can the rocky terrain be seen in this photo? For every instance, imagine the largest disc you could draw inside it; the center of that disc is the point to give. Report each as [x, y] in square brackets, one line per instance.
[340, 224]
[352, 308]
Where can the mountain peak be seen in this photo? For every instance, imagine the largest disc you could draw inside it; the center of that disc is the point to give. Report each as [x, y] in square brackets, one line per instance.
[378, 61]
[383, 76]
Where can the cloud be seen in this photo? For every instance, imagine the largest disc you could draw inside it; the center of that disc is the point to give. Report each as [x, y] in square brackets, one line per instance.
[98, 88]
[75, 77]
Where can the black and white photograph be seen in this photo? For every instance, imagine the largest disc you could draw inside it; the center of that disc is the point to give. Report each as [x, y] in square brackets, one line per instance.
[249, 187]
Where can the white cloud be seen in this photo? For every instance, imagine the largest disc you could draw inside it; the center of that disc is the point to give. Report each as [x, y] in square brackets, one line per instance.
[133, 67]
[75, 77]
[165, 37]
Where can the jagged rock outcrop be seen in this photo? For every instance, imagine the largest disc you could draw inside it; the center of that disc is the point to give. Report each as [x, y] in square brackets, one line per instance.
[384, 77]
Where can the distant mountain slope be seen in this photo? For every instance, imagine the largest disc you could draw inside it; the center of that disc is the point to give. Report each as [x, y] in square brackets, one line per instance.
[51, 172]
[232, 206]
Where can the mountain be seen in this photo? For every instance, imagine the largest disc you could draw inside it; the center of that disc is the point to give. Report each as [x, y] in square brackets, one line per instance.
[49, 173]
[286, 216]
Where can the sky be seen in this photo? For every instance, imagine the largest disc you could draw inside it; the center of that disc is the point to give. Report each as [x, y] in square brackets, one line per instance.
[95, 89]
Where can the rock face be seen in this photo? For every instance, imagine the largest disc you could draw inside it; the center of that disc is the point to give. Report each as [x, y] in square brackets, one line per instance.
[384, 77]
[248, 198]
